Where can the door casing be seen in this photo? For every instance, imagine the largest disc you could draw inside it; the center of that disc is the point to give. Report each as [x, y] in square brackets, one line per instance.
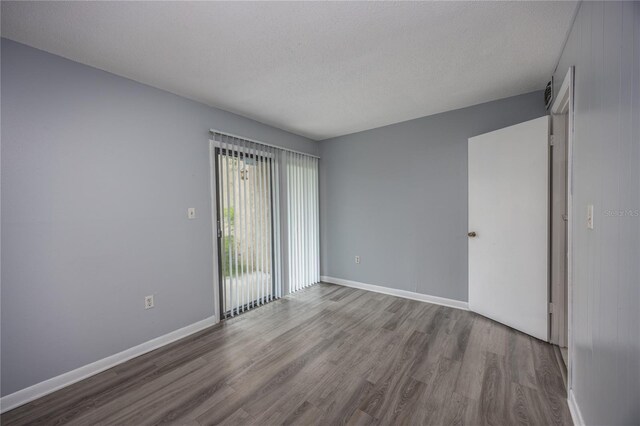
[564, 104]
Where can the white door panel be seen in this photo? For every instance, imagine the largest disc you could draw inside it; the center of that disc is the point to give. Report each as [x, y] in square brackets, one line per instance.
[509, 212]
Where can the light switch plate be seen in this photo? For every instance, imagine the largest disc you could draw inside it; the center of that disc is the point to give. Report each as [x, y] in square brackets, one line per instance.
[590, 216]
[191, 212]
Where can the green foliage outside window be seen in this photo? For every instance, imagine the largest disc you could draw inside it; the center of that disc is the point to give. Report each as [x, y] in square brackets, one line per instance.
[230, 246]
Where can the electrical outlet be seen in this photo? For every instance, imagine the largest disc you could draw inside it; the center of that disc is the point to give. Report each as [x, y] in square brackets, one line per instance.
[191, 212]
[358, 259]
[148, 302]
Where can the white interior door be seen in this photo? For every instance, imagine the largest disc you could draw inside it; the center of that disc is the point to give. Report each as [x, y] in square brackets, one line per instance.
[509, 214]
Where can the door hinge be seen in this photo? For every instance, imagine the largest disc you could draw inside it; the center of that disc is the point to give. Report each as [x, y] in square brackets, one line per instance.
[219, 230]
[550, 140]
[550, 307]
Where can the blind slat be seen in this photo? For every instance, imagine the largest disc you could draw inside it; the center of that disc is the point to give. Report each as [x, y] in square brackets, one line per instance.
[243, 217]
[253, 208]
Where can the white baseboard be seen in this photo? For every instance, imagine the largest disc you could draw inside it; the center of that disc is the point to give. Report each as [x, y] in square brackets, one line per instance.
[574, 409]
[451, 303]
[41, 389]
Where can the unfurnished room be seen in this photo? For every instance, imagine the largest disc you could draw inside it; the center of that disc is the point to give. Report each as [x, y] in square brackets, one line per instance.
[320, 213]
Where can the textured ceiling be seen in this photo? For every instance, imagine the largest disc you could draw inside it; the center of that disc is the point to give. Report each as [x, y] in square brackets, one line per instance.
[314, 68]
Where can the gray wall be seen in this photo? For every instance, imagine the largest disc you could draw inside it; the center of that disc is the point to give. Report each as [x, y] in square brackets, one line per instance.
[97, 174]
[397, 197]
[604, 47]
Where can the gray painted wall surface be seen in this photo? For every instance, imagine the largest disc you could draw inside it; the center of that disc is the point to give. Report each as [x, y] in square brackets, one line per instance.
[604, 47]
[97, 174]
[397, 197]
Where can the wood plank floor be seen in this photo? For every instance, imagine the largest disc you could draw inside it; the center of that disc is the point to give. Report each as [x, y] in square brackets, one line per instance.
[326, 355]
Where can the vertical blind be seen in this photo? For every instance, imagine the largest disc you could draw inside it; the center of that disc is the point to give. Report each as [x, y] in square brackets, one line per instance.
[248, 221]
[303, 228]
[263, 197]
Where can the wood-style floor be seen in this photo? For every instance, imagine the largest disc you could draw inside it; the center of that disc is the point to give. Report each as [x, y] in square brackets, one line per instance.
[326, 355]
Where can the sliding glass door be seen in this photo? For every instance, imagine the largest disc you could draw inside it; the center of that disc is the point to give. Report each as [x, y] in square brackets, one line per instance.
[266, 204]
[245, 212]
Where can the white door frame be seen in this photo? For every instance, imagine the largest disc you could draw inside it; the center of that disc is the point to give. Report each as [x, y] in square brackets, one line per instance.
[213, 182]
[564, 104]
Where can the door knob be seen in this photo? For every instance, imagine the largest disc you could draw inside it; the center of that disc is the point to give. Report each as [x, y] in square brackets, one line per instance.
[472, 234]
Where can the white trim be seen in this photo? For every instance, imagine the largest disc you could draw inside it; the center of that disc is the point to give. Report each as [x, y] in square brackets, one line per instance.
[451, 303]
[560, 104]
[574, 409]
[46, 387]
[565, 104]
